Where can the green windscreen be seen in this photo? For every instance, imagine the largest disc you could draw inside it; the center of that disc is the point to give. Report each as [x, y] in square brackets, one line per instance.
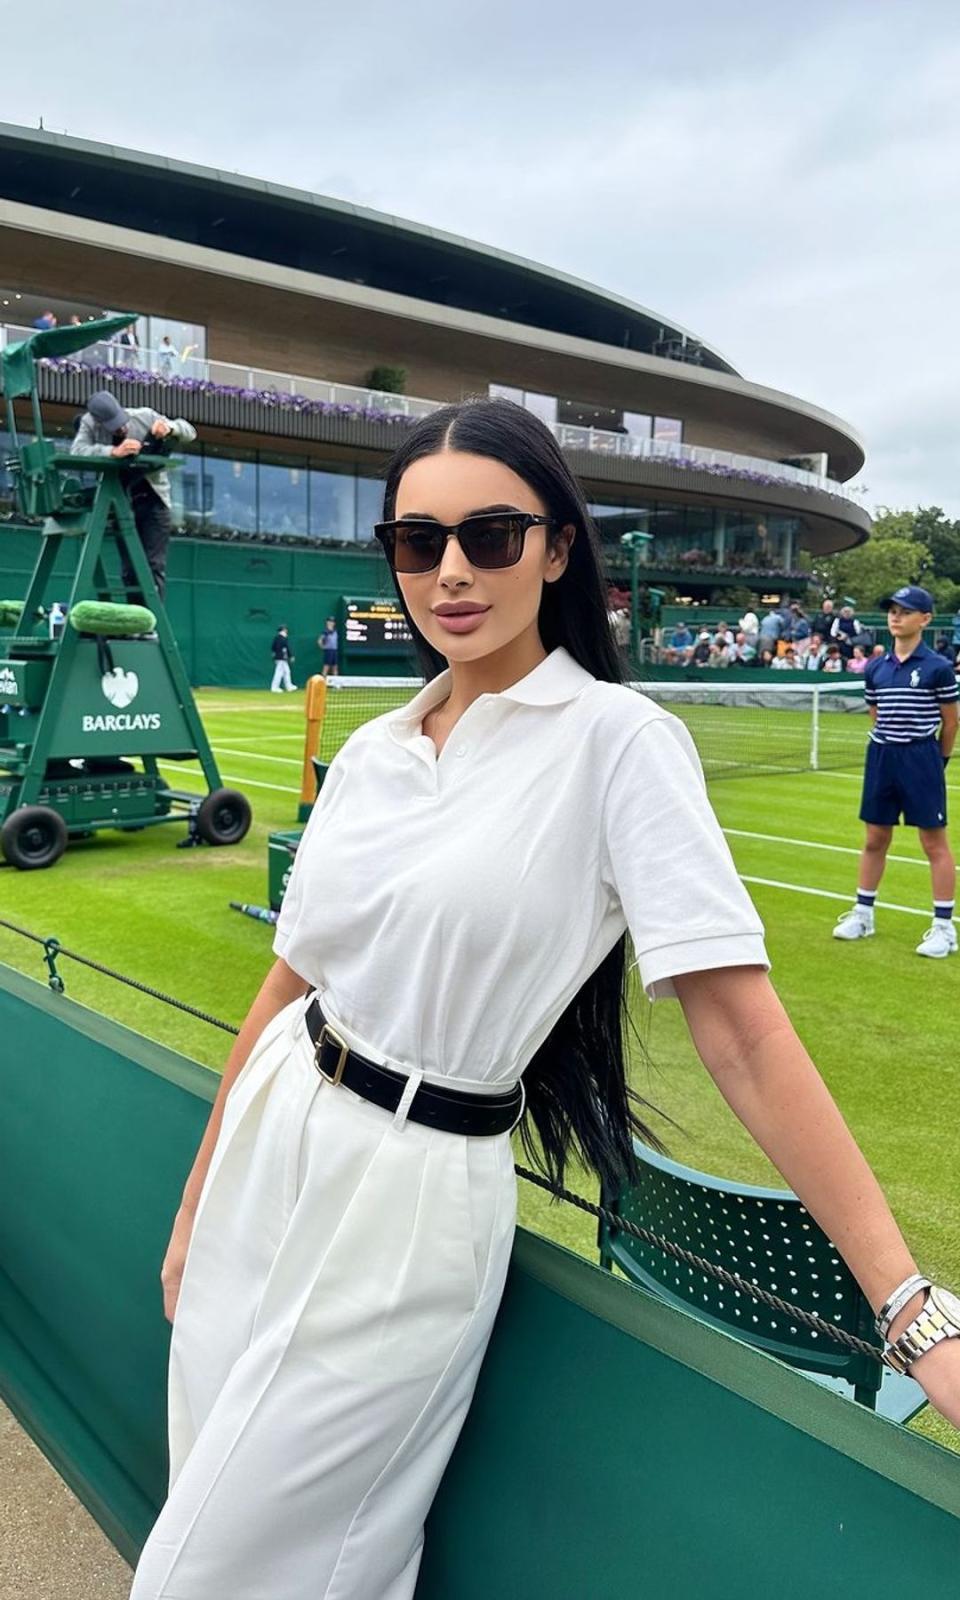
[617, 1447]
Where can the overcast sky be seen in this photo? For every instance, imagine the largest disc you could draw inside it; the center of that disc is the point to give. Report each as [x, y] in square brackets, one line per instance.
[783, 180]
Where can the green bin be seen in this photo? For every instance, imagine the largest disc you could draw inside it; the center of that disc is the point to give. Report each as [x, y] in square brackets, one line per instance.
[281, 849]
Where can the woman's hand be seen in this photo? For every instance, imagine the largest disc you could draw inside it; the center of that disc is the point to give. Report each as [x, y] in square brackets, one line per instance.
[938, 1371]
[171, 1273]
[938, 1374]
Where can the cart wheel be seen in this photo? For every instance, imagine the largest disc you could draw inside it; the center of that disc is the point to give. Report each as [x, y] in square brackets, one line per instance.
[223, 817]
[33, 836]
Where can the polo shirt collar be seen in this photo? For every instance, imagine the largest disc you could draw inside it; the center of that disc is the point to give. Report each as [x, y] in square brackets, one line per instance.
[554, 681]
[915, 655]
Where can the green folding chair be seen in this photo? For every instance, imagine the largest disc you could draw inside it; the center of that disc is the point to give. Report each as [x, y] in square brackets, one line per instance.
[767, 1237]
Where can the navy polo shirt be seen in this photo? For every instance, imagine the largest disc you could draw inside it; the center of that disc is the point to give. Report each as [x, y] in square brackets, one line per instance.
[908, 694]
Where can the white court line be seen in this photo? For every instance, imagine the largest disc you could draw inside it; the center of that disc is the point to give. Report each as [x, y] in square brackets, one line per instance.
[814, 844]
[270, 738]
[857, 777]
[828, 894]
[265, 710]
[253, 755]
[228, 777]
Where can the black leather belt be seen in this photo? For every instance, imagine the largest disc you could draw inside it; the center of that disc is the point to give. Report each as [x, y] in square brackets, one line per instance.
[450, 1110]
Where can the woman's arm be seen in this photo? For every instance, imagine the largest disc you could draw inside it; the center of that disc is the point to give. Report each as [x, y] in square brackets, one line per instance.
[748, 1045]
[280, 986]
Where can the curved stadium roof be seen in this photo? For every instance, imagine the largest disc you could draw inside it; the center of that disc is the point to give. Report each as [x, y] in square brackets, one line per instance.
[314, 233]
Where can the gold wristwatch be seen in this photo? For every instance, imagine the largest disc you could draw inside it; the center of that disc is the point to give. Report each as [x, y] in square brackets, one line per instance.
[937, 1319]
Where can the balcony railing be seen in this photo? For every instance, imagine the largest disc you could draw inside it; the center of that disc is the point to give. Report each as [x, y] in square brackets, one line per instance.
[169, 366]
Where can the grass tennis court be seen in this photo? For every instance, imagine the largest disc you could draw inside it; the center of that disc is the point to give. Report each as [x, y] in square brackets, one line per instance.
[879, 1021]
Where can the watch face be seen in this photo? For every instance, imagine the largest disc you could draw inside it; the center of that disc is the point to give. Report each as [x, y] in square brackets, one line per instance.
[947, 1302]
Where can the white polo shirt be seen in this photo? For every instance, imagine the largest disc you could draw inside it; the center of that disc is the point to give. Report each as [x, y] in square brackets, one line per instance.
[448, 908]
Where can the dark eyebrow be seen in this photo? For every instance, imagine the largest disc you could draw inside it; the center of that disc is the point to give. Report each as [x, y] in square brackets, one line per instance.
[480, 511]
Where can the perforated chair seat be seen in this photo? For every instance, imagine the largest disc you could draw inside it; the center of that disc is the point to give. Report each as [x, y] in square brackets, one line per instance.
[769, 1238]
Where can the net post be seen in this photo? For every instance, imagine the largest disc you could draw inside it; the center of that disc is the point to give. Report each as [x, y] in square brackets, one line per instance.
[316, 703]
[815, 730]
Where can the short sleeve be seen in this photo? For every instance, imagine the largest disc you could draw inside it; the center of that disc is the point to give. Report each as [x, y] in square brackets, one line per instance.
[667, 860]
[869, 688]
[945, 687]
[295, 892]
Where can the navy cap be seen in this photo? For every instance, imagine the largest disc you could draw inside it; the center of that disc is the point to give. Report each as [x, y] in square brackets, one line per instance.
[912, 598]
[107, 410]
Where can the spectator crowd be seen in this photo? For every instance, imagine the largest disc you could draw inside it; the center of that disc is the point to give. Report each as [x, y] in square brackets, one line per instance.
[786, 639]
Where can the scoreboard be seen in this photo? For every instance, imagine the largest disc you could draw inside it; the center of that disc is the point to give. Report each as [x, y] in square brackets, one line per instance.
[372, 633]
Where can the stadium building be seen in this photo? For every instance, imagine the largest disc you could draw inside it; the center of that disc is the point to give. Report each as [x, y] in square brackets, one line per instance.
[302, 334]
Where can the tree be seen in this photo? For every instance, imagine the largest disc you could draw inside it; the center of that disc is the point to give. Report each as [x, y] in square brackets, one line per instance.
[928, 527]
[942, 539]
[918, 546]
[870, 573]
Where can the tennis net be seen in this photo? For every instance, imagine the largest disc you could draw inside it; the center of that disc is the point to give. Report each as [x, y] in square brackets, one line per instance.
[737, 728]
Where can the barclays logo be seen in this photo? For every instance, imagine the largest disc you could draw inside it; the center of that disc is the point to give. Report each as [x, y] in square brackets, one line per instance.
[120, 687]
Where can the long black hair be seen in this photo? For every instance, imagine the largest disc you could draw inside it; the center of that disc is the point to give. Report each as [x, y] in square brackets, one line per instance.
[576, 1084]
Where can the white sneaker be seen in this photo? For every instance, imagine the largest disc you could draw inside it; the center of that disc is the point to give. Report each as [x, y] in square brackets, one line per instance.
[854, 925]
[940, 940]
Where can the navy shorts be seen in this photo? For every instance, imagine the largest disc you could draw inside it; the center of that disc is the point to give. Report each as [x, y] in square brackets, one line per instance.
[329, 658]
[907, 778]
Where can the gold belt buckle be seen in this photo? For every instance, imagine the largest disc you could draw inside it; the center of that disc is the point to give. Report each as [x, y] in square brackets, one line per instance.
[326, 1032]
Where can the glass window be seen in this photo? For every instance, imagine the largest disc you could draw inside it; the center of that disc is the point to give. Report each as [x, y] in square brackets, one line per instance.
[637, 424]
[369, 506]
[333, 500]
[743, 543]
[684, 537]
[176, 349]
[778, 539]
[543, 406]
[614, 521]
[700, 535]
[126, 348]
[611, 521]
[186, 491]
[503, 391]
[227, 495]
[283, 497]
[670, 429]
[668, 526]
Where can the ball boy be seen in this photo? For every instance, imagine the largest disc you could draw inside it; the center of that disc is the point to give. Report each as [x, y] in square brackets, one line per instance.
[911, 693]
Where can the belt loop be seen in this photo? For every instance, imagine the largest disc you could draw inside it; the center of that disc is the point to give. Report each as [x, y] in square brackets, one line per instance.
[406, 1099]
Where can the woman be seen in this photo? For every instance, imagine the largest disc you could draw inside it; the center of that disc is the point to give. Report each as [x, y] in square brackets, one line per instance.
[486, 848]
[858, 661]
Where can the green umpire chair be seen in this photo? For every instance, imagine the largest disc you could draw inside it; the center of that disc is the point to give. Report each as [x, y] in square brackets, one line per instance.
[767, 1237]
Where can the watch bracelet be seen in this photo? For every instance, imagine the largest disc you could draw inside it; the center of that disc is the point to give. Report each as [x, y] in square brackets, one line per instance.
[901, 1296]
[903, 1353]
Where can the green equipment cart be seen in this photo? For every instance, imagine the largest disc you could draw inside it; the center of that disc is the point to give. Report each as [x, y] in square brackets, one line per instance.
[76, 707]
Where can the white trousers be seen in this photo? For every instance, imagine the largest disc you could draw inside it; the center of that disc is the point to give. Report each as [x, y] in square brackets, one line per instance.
[281, 676]
[341, 1284]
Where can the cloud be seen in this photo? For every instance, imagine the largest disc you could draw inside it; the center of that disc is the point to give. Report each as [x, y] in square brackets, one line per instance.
[783, 184]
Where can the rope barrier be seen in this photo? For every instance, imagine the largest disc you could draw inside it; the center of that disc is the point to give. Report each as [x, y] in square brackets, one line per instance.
[709, 1268]
[53, 950]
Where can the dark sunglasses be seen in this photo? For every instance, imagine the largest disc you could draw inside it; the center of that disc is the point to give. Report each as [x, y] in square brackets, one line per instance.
[492, 540]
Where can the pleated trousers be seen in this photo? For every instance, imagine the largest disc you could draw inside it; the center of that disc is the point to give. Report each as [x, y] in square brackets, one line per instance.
[342, 1281]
